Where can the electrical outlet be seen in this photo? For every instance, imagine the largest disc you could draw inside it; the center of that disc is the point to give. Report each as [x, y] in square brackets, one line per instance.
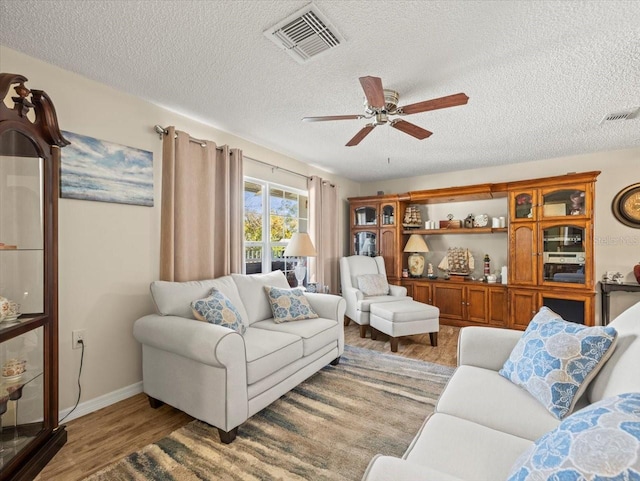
[76, 337]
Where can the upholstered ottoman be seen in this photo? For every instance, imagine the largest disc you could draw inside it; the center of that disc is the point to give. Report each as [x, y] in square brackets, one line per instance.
[405, 318]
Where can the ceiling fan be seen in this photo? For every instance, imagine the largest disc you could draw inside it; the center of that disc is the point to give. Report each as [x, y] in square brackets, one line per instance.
[382, 103]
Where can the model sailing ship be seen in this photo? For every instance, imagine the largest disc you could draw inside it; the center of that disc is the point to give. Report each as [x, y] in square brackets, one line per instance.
[412, 217]
[458, 262]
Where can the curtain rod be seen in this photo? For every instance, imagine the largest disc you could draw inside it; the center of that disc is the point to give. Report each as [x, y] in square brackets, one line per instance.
[162, 131]
[276, 167]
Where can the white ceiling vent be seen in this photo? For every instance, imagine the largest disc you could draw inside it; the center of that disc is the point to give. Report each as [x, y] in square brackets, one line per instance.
[305, 34]
[622, 115]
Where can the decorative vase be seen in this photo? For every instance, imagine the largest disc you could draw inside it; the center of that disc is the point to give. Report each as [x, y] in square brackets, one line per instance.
[636, 272]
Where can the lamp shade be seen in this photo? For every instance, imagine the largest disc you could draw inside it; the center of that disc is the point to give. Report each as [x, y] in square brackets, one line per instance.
[300, 245]
[415, 244]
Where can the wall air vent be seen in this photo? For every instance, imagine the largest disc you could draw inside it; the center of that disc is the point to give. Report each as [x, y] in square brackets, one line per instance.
[622, 115]
[305, 34]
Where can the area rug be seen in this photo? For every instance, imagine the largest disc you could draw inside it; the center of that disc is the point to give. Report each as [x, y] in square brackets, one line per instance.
[327, 428]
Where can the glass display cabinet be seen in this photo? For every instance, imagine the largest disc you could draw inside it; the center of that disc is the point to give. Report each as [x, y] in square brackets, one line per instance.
[375, 230]
[30, 143]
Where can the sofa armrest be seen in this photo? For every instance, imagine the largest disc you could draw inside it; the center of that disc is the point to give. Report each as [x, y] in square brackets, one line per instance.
[352, 294]
[328, 306]
[487, 347]
[387, 468]
[397, 291]
[201, 341]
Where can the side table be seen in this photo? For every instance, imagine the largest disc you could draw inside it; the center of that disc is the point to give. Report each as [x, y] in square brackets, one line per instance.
[606, 288]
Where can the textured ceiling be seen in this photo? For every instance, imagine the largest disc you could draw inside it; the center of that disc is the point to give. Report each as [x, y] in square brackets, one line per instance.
[540, 75]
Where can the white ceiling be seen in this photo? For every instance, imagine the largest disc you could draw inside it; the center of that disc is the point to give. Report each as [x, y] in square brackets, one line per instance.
[540, 75]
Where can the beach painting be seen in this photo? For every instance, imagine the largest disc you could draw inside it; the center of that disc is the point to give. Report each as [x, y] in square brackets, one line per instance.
[93, 169]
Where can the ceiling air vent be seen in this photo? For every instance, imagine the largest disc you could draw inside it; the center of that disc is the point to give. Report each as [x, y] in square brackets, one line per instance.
[305, 34]
[622, 115]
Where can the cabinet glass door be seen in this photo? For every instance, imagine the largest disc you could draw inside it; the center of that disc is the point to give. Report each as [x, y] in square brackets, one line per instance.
[21, 233]
[365, 216]
[564, 254]
[21, 393]
[523, 205]
[388, 215]
[365, 244]
[561, 203]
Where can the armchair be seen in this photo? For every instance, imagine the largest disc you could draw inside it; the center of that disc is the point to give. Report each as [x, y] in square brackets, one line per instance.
[358, 304]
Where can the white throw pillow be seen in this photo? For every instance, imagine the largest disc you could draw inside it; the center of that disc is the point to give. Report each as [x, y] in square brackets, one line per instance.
[373, 284]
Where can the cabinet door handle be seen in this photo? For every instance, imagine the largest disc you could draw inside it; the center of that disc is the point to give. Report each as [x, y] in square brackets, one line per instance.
[468, 304]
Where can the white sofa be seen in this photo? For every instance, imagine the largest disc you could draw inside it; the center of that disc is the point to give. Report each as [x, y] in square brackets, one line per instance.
[219, 376]
[482, 422]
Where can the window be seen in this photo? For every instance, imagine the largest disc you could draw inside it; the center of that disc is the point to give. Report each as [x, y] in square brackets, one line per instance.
[272, 214]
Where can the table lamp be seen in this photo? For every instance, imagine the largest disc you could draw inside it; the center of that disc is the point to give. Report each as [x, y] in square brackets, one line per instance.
[416, 245]
[300, 246]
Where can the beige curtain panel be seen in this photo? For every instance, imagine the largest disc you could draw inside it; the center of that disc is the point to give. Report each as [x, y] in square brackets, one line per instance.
[201, 225]
[323, 217]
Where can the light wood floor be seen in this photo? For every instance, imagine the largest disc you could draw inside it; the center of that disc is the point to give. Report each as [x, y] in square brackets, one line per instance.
[102, 437]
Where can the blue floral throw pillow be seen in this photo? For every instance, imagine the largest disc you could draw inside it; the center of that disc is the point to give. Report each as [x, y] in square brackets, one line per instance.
[218, 309]
[555, 360]
[598, 443]
[289, 305]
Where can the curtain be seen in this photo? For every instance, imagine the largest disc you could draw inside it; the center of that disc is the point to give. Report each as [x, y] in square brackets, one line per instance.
[324, 232]
[201, 224]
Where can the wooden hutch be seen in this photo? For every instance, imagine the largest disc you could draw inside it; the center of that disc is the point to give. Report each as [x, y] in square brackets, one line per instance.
[549, 243]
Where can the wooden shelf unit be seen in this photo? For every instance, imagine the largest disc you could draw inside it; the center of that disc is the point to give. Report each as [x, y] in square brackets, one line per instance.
[462, 230]
[529, 285]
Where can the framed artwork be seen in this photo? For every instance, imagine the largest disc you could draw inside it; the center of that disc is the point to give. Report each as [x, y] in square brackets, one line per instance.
[97, 170]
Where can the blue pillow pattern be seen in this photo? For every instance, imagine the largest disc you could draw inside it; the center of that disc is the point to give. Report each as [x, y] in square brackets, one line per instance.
[555, 360]
[289, 305]
[598, 443]
[218, 309]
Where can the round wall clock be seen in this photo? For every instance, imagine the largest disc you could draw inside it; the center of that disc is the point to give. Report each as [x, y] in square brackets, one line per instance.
[626, 206]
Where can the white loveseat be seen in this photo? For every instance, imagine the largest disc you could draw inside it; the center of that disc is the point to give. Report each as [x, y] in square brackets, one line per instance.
[482, 422]
[219, 376]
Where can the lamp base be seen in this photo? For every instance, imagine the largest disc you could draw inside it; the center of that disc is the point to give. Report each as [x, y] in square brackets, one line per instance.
[300, 272]
[416, 265]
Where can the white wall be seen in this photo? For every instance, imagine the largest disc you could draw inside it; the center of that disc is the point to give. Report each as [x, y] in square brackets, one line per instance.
[617, 247]
[109, 253]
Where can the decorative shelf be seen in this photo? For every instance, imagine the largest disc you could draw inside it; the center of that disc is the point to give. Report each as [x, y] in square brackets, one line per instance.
[475, 230]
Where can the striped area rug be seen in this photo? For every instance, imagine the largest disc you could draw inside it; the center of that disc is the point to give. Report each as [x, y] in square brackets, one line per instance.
[327, 428]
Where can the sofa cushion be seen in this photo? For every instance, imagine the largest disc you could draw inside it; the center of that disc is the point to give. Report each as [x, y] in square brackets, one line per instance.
[174, 298]
[289, 305]
[359, 265]
[218, 309]
[251, 291]
[364, 305]
[315, 333]
[269, 351]
[484, 397]
[600, 442]
[465, 449]
[555, 360]
[373, 284]
[620, 373]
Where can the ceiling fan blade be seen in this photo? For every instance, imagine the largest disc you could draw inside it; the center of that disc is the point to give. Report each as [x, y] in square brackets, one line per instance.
[360, 135]
[332, 117]
[373, 90]
[411, 129]
[434, 104]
